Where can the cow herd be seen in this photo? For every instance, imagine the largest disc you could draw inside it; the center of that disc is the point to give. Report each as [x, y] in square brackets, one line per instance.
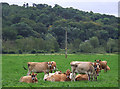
[84, 71]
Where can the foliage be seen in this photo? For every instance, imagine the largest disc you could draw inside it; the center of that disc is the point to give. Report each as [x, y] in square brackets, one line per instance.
[42, 21]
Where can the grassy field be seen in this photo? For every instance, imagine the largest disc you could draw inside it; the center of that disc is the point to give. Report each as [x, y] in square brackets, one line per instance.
[12, 70]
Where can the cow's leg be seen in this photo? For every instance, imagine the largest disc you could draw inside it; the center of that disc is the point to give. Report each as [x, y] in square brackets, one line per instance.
[28, 72]
[50, 70]
[95, 77]
[44, 72]
[73, 76]
[73, 72]
[105, 69]
[54, 69]
[89, 77]
[100, 68]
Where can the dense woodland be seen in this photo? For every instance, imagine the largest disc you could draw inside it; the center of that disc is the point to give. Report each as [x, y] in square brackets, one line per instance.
[41, 29]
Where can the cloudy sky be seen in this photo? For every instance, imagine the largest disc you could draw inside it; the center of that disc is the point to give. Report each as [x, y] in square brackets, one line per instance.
[97, 6]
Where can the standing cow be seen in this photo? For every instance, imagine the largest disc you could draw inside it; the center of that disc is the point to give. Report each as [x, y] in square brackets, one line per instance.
[89, 68]
[39, 67]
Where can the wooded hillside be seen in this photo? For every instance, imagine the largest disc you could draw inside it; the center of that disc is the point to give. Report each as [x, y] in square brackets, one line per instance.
[41, 29]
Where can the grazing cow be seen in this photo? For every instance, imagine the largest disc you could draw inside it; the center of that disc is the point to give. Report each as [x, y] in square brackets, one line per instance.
[29, 79]
[50, 74]
[89, 68]
[60, 77]
[81, 77]
[39, 67]
[103, 65]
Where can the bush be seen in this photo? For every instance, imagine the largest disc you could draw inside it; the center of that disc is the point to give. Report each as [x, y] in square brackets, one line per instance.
[20, 52]
[33, 51]
[11, 52]
[52, 51]
[4, 52]
[40, 51]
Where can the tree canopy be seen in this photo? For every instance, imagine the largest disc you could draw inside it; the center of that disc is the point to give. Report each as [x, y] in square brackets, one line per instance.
[46, 26]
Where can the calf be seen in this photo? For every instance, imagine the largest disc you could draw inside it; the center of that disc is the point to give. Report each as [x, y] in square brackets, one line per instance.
[89, 68]
[81, 77]
[39, 67]
[103, 65]
[29, 79]
[60, 77]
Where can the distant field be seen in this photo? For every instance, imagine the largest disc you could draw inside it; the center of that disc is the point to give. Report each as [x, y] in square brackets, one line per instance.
[12, 70]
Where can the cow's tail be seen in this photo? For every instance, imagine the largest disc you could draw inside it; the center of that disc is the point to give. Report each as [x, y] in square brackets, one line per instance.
[24, 68]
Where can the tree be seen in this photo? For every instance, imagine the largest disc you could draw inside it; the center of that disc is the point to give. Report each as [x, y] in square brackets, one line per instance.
[51, 43]
[94, 42]
[86, 47]
[112, 46]
[9, 33]
[23, 29]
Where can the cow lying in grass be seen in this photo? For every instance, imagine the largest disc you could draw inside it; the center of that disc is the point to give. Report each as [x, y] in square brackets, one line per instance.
[80, 77]
[89, 68]
[50, 74]
[103, 65]
[29, 79]
[39, 67]
[60, 77]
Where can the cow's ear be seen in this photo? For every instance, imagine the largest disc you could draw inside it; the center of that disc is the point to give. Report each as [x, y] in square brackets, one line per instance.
[95, 60]
[99, 60]
[64, 73]
[35, 74]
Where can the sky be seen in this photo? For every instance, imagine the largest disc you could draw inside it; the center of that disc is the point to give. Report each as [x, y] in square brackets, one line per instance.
[109, 7]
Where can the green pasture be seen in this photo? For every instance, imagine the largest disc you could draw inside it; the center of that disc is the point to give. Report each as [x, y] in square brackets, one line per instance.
[12, 70]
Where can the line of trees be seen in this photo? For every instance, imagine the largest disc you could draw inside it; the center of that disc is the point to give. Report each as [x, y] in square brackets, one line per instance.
[41, 29]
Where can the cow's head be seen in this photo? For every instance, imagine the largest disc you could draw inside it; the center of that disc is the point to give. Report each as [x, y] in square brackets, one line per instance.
[98, 61]
[68, 73]
[34, 78]
[58, 72]
[49, 64]
[96, 67]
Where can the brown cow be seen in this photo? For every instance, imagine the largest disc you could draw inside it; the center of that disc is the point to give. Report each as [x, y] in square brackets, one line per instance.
[103, 65]
[81, 77]
[60, 77]
[29, 79]
[39, 67]
[91, 69]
